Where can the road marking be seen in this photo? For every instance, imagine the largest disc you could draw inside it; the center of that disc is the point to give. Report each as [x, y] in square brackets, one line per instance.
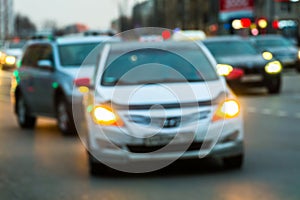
[298, 115]
[266, 111]
[251, 109]
[282, 114]
[5, 74]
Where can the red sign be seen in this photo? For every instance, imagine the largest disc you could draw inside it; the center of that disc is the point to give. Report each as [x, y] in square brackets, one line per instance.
[236, 5]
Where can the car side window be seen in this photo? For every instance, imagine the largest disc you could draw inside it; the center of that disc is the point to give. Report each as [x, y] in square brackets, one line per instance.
[46, 53]
[31, 56]
[35, 53]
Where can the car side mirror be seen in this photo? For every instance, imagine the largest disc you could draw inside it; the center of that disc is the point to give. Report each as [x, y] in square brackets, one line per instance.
[45, 64]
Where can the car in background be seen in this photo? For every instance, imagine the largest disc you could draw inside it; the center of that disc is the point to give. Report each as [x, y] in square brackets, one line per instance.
[44, 81]
[243, 65]
[11, 53]
[186, 35]
[124, 124]
[282, 49]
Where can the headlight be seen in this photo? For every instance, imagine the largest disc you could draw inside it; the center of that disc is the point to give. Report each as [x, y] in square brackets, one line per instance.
[228, 109]
[10, 60]
[224, 70]
[267, 55]
[106, 116]
[273, 67]
[299, 54]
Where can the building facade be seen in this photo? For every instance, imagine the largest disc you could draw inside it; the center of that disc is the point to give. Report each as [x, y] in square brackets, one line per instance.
[216, 16]
[6, 19]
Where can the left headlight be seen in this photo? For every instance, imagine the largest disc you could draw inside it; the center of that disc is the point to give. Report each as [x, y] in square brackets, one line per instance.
[274, 67]
[106, 116]
[10, 60]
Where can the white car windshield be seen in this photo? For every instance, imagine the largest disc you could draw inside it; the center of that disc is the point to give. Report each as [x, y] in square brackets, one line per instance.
[150, 66]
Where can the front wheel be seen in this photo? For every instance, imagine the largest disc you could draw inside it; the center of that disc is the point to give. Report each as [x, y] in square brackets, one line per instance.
[274, 85]
[298, 67]
[25, 120]
[64, 117]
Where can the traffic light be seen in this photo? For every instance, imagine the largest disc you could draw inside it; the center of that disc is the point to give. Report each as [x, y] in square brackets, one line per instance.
[262, 23]
[241, 23]
[245, 22]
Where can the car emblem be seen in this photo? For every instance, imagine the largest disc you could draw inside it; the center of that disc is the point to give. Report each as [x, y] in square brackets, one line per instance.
[171, 122]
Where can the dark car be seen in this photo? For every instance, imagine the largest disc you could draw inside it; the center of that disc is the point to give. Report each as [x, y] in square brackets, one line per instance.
[44, 81]
[282, 48]
[243, 64]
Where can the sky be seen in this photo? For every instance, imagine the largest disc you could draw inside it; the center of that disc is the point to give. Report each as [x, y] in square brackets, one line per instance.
[97, 14]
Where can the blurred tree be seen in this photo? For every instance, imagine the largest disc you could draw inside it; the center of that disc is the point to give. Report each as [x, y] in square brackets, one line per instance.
[24, 27]
[49, 25]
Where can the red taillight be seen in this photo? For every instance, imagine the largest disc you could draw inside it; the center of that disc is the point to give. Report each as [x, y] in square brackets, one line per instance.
[236, 73]
[82, 82]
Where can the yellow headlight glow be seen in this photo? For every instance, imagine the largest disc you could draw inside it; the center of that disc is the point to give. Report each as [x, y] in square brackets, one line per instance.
[299, 54]
[274, 67]
[267, 55]
[224, 70]
[229, 109]
[10, 60]
[105, 115]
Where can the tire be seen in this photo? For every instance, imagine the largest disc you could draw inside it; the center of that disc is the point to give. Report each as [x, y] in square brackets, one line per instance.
[233, 162]
[64, 117]
[298, 67]
[274, 85]
[96, 168]
[25, 119]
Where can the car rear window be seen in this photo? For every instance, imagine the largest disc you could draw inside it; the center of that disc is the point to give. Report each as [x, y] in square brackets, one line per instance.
[280, 42]
[230, 48]
[74, 54]
[150, 66]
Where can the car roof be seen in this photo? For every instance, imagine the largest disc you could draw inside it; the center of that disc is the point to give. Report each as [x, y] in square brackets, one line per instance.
[270, 36]
[224, 38]
[78, 40]
[72, 40]
[129, 45]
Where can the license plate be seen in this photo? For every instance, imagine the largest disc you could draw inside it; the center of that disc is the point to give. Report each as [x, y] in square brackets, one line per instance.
[164, 139]
[288, 61]
[158, 140]
[252, 78]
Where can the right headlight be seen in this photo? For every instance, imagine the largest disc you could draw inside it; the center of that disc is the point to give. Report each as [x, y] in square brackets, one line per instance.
[273, 67]
[10, 60]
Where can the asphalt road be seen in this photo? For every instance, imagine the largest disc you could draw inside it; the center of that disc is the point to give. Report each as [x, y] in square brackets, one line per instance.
[42, 164]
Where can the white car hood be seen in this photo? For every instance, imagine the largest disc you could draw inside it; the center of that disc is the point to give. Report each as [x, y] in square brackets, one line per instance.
[79, 72]
[13, 52]
[161, 93]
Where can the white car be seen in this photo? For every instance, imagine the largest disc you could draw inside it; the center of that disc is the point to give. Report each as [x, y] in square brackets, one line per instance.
[11, 54]
[150, 104]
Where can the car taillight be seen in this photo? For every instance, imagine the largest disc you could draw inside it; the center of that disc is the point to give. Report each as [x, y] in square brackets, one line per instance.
[106, 116]
[236, 73]
[228, 109]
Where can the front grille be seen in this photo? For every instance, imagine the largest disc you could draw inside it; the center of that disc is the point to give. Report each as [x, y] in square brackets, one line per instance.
[253, 70]
[171, 148]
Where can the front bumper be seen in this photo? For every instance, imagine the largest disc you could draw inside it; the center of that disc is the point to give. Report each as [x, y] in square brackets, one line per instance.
[254, 80]
[218, 151]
